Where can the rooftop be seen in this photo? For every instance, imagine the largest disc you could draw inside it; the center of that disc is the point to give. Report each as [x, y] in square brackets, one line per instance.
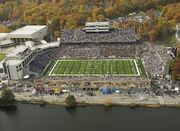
[18, 49]
[46, 46]
[14, 51]
[29, 29]
[2, 35]
[97, 23]
[14, 62]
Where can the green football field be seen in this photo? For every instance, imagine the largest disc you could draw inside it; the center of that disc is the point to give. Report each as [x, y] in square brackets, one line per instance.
[95, 67]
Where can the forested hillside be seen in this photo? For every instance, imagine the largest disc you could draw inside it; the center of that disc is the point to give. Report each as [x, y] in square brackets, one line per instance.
[74, 13]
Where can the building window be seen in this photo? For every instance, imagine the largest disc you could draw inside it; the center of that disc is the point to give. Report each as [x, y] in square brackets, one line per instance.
[1, 70]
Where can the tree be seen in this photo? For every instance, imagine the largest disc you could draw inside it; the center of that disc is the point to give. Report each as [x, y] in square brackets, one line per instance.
[176, 70]
[70, 101]
[7, 97]
[7, 94]
[4, 29]
[101, 17]
[153, 35]
[107, 102]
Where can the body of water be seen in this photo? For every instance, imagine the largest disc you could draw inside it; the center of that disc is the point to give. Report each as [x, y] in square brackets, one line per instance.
[91, 118]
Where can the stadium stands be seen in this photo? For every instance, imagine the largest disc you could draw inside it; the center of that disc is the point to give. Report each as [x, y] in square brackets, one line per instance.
[155, 57]
[113, 36]
[117, 43]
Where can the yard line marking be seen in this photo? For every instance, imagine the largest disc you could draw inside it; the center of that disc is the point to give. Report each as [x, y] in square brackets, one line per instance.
[53, 68]
[111, 67]
[136, 67]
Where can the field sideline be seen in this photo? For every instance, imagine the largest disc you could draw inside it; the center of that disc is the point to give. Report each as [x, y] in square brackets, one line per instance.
[95, 67]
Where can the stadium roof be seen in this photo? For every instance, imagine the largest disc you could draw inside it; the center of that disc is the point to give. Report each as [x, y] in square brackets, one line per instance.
[97, 23]
[47, 46]
[29, 29]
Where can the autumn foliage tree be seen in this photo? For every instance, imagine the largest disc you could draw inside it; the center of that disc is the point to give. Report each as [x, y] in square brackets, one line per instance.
[4, 29]
[72, 14]
[176, 70]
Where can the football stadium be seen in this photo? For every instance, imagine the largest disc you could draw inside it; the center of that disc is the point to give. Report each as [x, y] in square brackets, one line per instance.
[100, 54]
[95, 54]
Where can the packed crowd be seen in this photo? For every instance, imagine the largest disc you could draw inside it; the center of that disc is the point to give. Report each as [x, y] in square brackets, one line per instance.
[42, 60]
[115, 35]
[123, 50]
[155, 58]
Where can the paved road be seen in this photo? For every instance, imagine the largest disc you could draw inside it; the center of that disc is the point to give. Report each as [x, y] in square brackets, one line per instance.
[161, 100]
[116, 99]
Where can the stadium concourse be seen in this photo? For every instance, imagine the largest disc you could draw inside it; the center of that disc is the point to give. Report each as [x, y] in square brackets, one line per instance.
[115, 44]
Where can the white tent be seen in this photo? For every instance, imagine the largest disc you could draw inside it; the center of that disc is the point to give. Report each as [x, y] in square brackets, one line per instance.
[26, 76]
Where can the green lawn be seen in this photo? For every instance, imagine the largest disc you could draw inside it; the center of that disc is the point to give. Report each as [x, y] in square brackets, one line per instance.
[2, 56]
[94, 67]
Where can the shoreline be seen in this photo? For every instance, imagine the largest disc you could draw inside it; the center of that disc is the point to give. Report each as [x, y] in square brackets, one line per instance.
[85, 104]
[132, 101]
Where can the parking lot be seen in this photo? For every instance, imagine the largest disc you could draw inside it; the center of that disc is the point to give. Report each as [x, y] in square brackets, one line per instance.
[154, 95]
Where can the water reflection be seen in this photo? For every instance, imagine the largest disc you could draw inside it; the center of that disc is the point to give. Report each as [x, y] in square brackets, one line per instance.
[71, 110]
[9, 110]
[90, 118]
[107, 109]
